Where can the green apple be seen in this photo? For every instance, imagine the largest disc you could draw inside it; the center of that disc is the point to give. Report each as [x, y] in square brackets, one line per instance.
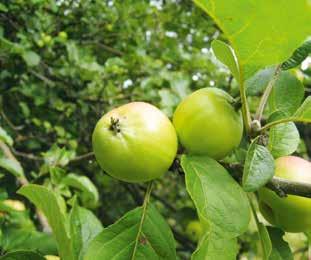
[135, 142]
[208, 124]
[63, 35]
[292, 213]
[194, 230]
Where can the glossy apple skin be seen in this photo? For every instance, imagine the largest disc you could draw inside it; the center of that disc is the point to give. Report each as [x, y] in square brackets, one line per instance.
[293, 213]
[142, 149]
[207, 123]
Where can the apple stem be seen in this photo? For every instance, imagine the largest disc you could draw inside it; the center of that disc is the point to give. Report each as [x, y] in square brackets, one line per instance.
[115, 125]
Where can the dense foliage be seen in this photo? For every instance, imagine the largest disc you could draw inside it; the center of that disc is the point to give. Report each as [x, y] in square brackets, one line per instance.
[65, 63]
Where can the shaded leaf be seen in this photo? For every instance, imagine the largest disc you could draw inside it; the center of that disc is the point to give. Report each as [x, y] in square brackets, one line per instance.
[22, 255]
[265, 240]
[280, 248]
[84, 226]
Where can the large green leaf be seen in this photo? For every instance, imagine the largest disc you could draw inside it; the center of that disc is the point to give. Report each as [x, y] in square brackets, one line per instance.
[118, 240]
[219, 199]
[53, 208]
[256, 31]
[214, 246]
[84, 226]
[22, 255]
[258, 167]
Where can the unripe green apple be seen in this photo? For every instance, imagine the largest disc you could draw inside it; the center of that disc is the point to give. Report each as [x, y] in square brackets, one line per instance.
[208, 124]
[135, 142]
[47, 39]
[292, 213]
[63, 35]
[194, 230]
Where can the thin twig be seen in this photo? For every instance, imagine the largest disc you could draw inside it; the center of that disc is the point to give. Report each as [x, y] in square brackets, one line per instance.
[267, 93]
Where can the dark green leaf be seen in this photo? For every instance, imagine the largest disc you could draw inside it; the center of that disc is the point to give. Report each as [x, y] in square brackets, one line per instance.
[298, 56]
[280, 248]
[22, 255]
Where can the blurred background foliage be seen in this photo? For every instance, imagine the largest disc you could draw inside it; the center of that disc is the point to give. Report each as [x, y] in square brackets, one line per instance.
[64, 63]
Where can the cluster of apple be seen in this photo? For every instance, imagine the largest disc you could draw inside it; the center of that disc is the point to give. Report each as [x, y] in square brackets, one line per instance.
[47, 39]
[136, 142]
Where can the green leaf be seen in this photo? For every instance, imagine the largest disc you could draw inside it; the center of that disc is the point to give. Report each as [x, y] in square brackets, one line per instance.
[216, 247]
[53, 208]
[303, 113]
[226, 55]
[5, 137]
[298, 56]
[280, 248]
[90, 195]
[247, 25]
[12, 166]
[265, 240]
[256, 84]
[84, 226]
[283, 138]
[117, 241]
[31, 58]
[22, 255]
[286, 86]
[13, 239]
[258, 167]
[3, 8]
[218, 198]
